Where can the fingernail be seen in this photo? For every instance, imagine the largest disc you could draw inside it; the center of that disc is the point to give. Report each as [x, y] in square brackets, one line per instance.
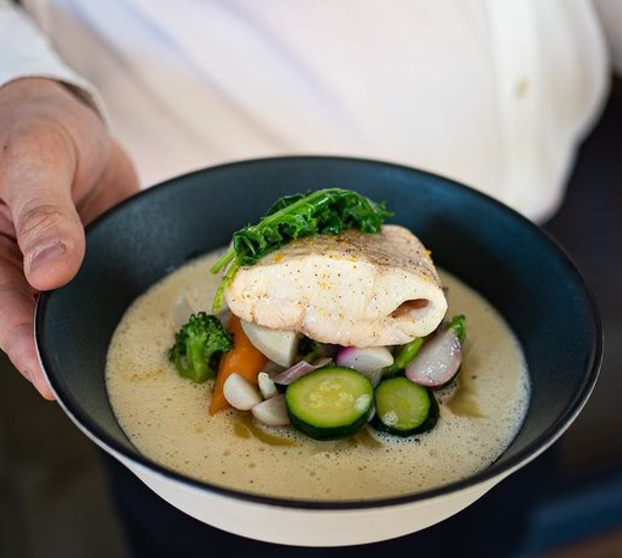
[47, 254]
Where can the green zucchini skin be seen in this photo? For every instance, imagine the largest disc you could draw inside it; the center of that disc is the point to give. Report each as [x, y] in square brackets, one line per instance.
[409, 390]
[326, 421]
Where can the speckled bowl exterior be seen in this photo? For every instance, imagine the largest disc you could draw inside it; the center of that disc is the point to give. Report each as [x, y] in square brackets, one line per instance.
[505, 257]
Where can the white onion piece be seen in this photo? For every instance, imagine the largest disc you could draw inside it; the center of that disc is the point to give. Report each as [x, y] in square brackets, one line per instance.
[369, 361]
[277, 345]
[292, 374]
[181, 311]
[266, 386]
[272, 412]
[240, 393]
[437, 361]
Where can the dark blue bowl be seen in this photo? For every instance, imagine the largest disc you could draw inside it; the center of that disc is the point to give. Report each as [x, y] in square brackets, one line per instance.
[505, 257]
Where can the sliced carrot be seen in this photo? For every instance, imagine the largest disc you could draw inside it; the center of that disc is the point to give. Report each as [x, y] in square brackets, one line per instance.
[244, 359]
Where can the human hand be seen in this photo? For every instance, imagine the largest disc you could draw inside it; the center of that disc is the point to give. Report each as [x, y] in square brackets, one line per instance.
[59, 169]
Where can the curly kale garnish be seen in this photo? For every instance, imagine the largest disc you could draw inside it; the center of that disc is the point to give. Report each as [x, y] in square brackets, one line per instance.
[330, 211]
[199, 344]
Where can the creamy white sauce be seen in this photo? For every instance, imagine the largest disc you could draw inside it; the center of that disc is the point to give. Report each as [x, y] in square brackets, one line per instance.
[166, 417]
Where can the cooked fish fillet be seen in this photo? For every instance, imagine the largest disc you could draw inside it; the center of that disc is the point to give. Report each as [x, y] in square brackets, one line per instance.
[354, 289]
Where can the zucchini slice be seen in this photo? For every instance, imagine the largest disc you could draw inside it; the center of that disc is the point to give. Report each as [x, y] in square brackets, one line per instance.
[404, 408]
[330, 402]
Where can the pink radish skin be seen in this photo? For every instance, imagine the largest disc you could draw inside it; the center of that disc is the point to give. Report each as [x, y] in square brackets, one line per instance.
[292, 374]
[438, 360]
[299, 369]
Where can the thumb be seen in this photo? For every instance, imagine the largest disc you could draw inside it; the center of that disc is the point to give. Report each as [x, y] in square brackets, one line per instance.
[47, 226]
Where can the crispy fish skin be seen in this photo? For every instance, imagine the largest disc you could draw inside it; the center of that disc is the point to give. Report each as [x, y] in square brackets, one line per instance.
[355, 289]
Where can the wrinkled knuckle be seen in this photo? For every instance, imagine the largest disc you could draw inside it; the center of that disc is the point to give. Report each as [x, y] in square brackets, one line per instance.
[38, 138]
[17, 145]
[31, 142]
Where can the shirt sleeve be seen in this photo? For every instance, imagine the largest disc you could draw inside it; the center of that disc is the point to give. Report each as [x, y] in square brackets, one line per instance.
[26, 52]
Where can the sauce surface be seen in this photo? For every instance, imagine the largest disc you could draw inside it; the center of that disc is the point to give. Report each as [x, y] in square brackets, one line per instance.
[166, 417]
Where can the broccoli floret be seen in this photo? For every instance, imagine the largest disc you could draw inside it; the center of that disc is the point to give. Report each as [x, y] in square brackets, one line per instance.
[199, 344]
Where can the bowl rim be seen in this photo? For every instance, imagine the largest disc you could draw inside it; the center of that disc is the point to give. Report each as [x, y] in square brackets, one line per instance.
[542, 442]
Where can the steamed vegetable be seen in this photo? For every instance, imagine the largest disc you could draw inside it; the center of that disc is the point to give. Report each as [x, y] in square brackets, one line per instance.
[457, 323]
[272, 412]
[198, 347]
[311, 350]
[329, 211]
[404, 408]
[294, 373]
[404, 355]
[441, 356]
[369, 361]
[279, 346]
[243, 359]
[329, 403]
[266, 386]
[240, 393]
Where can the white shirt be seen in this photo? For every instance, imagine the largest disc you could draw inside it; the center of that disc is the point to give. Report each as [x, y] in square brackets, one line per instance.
[494, 93]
